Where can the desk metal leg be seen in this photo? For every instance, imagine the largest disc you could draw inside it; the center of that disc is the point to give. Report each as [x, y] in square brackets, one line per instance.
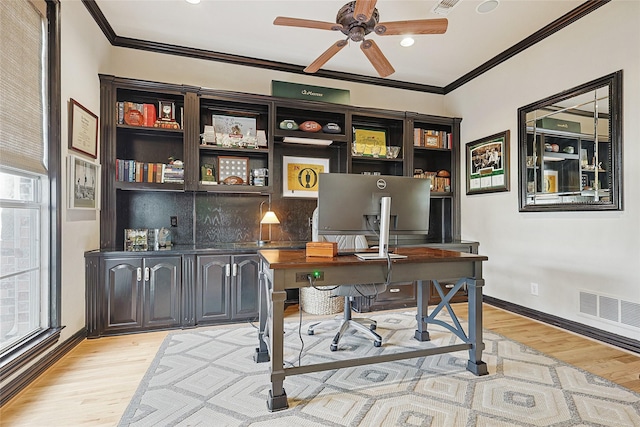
[475, 363]
[277, 396]
[262, 352]
[424, 292]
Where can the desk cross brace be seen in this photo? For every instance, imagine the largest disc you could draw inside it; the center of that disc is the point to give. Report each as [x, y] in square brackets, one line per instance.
[444, 302]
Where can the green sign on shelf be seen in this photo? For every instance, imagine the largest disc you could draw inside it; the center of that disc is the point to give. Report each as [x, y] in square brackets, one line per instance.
[314, 93]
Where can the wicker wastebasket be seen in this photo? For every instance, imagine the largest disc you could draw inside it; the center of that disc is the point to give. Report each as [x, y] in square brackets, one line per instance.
[314, 301]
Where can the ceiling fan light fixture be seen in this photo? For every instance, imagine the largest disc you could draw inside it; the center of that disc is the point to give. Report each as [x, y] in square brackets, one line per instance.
[487, 6]
[407, 41]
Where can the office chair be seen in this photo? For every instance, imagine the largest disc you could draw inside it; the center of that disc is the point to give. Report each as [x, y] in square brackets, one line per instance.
[366, 326]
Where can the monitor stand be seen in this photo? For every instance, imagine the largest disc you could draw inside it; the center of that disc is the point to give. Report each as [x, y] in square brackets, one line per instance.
[383, 246]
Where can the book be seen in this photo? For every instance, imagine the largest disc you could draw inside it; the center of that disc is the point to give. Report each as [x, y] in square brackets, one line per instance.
[149, 114]
[120, 112]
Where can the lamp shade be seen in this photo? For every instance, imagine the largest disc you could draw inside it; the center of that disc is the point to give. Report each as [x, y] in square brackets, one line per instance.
[269, 218]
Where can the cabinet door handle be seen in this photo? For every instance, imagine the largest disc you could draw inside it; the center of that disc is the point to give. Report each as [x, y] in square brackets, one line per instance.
[227, 270]
[394, 290]
[235, 269]
[146, 274]
[138, 274]
[449, 285]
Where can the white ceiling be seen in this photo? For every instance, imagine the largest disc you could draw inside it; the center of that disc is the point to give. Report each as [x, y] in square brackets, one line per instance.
[245, 28]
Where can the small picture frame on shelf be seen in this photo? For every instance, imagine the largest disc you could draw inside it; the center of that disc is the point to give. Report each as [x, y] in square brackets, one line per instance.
[208, 174]
[550, 182]
[488, 164]
[136, 239]
[300, 176]
[370, 142]
[432, 140]
[233, 170]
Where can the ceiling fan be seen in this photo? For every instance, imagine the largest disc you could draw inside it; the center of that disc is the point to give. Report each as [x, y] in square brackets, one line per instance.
[357, 19]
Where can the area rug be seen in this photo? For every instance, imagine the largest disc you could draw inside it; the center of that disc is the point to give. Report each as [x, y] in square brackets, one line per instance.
[207, 377]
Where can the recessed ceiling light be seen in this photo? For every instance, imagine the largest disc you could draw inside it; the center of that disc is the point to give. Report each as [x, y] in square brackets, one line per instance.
[407, 41]
[193, 1]
[487, 6]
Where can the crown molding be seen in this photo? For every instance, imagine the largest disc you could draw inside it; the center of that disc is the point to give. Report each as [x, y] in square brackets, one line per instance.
[169, 49]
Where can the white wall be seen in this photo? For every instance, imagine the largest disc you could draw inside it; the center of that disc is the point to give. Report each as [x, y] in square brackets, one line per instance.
[83, 50]
[564, 252]
[216, 75]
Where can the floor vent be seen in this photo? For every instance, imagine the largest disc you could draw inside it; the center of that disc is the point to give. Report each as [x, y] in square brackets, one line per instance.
[608, 308]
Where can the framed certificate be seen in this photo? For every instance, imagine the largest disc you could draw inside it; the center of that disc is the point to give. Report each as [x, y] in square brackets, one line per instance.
[83, 129]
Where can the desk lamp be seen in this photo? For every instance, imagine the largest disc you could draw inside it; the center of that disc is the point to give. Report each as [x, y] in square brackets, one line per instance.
[269, 217]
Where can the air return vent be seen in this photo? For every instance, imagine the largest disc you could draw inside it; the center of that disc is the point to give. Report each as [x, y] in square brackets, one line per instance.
[588, 303]
[608, 308]
[443, 7]
[630, 313]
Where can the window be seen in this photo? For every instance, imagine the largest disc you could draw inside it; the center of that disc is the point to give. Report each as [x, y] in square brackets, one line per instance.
[29, 183]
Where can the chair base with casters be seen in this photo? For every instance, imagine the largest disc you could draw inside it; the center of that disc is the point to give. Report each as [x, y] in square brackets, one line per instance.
[366, 326]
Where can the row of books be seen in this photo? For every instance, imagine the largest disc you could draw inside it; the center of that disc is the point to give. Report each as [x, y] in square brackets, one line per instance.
[133, 171]
[432, 138]
[438, 184]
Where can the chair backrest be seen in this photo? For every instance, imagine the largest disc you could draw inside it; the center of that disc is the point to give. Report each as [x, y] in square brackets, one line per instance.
[345, 242]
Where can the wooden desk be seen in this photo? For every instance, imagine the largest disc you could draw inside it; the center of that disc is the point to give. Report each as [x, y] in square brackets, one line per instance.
[281, 270]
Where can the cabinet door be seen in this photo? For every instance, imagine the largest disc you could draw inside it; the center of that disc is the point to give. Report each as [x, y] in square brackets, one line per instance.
[212, 288]
[244, 300]
[162, 291]
[123, 281]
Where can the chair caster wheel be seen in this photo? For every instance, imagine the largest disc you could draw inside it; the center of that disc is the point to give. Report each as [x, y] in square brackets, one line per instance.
[377, 343]
[310, 332]
[372, 327]
[333, 347]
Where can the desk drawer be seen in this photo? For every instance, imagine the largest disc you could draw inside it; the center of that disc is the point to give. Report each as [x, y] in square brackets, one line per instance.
[398, 295]
[434, 296]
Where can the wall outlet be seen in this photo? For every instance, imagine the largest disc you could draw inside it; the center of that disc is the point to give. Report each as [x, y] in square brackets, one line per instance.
[534, 289]
[174, 221]
[316, 276]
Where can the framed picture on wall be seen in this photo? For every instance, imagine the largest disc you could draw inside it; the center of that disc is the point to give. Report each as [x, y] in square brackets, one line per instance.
[83, 129]
[84, 184]
[488, 164]
[300, 176]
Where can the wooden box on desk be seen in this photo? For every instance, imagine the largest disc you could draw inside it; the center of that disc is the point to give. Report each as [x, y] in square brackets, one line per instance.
[322, 249]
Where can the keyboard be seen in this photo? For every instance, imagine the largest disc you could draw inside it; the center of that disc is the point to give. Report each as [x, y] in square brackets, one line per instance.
[367, 256]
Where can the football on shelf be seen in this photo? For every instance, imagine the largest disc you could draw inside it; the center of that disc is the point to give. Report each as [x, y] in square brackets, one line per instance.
[331, 128]
[310, 126]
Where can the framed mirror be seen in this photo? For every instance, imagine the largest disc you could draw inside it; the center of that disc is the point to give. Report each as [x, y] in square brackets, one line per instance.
[570, 149]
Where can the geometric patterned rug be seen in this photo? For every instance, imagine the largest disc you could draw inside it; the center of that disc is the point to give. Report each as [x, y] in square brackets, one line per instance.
[207, 377]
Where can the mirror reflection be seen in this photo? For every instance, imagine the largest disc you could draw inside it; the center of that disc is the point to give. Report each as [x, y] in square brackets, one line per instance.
[569, 149]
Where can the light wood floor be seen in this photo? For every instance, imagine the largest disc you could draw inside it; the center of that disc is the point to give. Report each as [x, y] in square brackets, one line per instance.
[92, 385]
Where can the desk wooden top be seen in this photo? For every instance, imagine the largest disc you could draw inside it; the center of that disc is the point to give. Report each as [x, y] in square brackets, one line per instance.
[296, 258]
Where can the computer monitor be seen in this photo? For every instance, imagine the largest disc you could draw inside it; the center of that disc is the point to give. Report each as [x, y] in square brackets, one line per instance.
[352, 204]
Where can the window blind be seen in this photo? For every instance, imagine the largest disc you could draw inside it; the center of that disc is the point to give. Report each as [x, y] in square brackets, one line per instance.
[22, 90]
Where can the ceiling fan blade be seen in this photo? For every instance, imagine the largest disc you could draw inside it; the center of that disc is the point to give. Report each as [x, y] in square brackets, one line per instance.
[377, 58]
[306, 23]
[327, 55]
[419, 26]
[364, 9]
